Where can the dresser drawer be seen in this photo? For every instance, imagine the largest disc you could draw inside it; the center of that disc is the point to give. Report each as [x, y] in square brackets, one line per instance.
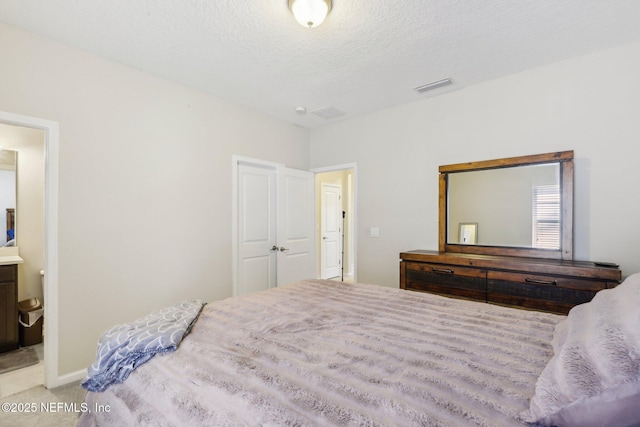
[539, 291]
[540, 284]
[466, 282]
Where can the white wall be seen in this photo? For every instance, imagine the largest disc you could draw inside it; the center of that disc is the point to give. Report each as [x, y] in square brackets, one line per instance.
[144, 182]
[589, 104]
[30, 215]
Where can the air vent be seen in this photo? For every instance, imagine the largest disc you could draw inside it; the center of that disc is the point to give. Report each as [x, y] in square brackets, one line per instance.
[328, 112]
[433, 85]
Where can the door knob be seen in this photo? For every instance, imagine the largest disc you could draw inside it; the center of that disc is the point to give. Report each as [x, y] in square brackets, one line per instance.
[282, 249]
[274, 248]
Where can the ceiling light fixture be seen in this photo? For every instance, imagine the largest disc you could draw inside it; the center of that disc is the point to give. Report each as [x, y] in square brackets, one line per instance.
[310, 13]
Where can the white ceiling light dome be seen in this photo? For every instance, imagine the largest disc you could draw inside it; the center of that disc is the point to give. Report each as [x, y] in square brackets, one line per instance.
[310, 13]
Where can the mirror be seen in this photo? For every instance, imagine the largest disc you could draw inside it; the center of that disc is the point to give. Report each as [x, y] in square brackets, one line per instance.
[8, 161]
[521, 206]
[477, 197]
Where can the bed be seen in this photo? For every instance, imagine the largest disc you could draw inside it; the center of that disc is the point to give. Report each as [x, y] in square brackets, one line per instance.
[330, 353]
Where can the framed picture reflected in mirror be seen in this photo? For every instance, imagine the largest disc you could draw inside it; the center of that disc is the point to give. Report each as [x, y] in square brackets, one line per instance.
[468, 234]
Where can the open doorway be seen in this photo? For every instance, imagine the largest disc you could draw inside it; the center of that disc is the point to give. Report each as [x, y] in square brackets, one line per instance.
[336, 222]
[25, 236]
[49, 248]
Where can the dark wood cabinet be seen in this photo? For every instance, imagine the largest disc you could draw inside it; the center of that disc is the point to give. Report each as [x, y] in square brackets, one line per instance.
[8, 307]
[448, 279]
[540, 284]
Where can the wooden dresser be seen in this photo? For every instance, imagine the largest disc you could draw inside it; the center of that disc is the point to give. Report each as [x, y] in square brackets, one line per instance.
[540, 284]
[8, 307]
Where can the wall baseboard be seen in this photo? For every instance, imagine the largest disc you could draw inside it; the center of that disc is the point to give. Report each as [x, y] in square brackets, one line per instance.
[70, 377]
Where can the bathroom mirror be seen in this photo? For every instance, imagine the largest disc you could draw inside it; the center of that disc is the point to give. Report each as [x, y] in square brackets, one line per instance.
[520, 206]
[8, 162]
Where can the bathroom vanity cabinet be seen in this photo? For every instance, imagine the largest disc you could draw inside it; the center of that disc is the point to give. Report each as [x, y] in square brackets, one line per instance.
[8, 307]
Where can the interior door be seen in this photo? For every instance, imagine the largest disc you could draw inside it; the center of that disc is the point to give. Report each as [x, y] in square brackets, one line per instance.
[257, 223]
[296, 254]
[331, 231]
[275, 227]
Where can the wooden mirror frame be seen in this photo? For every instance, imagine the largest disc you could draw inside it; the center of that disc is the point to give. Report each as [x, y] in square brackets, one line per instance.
[565, 161]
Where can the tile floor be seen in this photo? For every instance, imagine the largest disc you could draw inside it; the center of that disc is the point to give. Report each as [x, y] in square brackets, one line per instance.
[22, 379]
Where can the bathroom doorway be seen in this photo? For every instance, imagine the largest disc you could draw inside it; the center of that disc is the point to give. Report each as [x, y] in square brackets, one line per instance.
[47, 147]
[27, 147]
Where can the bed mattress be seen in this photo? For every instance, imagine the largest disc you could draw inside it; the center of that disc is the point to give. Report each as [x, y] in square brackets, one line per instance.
[330, 353]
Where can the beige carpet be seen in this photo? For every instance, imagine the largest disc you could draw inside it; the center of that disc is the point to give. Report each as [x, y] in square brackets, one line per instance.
[39, 407]
[16, 359]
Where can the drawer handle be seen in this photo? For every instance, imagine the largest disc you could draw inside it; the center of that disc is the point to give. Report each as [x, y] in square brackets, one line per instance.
[441, 270]
[542, 282]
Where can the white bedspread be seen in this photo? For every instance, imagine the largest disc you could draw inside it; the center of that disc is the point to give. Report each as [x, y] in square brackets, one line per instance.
[329, 353]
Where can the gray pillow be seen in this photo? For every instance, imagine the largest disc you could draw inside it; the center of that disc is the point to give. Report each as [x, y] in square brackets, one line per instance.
[593, 379]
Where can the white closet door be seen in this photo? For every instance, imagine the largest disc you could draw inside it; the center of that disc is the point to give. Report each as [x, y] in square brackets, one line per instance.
[296, 245]
[257, 223]
[275, 227]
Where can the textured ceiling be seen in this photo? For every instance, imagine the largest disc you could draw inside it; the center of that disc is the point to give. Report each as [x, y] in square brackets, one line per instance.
[368, 54]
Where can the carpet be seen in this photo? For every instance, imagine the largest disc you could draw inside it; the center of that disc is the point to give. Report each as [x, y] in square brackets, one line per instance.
[17, 359]
[39, 407]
